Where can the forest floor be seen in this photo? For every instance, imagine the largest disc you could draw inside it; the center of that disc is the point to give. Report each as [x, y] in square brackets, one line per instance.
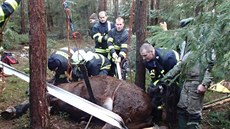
[12, 92]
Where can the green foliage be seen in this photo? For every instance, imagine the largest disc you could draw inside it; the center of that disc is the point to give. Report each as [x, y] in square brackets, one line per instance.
[51, 43]
[124, 10]
[209, 30]
[132, 52]
[12, 39]
[219, 120]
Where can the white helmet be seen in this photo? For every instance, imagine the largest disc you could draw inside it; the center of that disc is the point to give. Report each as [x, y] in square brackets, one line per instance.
[78, 56]
[90, 56]
[66, 49]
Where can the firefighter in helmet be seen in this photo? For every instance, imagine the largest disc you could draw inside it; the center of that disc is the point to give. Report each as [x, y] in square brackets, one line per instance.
[58, 62]
[96, 64]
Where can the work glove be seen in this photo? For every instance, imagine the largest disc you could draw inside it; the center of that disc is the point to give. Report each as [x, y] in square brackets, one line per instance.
[163, 25]
[114, 55]
[116, 58]
[105, 38]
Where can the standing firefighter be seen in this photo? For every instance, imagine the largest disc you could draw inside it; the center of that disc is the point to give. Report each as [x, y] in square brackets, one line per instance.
[7, 8]
[117, 43]
[100, 33]
[93, 19]
[159, 61]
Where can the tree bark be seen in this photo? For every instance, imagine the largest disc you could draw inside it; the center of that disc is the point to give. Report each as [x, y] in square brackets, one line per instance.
[23, 19]
[115, 2]
[140, 27]
[39, 118]
[154, 5]
[50, 22]
[102, 5]
[198, 7]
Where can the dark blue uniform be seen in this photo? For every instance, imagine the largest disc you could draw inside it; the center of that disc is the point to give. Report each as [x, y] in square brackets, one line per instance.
[99, 65]
[96, 64]
[7, 8]
[117, 43]
[100, 35]
[58, 62]
[164, 61]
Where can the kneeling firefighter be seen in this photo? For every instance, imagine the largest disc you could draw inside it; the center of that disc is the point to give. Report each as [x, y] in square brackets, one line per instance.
[58, 62]
[96, 64]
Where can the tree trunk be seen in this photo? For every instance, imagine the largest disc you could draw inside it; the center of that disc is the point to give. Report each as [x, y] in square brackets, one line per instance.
[115, 2]
[50, 23]
[37, 39]
[23, 19]
[154, 5]
[102, 5]
[198, 7]
[140, 25]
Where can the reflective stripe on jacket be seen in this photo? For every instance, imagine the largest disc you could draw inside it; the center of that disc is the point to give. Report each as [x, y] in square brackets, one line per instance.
[117, 42]
[164, 61]
[7, 8]
[99, 31]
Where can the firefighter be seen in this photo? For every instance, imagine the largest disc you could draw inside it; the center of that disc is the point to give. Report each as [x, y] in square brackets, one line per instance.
[58, 62]
[159, 61]
[7, 8]
[117, 44]
[93, 19]
[100, 33]
[96, 64]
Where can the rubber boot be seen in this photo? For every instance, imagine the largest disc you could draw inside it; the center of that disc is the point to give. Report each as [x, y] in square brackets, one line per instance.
[16, 111]
[9, 113]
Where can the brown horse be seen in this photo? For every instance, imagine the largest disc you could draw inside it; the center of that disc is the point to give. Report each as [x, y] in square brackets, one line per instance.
[121, 97]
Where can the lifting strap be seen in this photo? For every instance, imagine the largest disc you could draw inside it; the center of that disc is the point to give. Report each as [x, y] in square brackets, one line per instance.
[74, 100]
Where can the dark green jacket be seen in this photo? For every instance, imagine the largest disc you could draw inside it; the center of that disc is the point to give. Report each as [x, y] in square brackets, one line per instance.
[192, 68]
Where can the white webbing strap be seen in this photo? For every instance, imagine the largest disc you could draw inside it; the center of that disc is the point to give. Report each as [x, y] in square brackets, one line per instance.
[74, 100]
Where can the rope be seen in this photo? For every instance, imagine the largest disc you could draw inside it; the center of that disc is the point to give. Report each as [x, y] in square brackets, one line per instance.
[75, 34]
